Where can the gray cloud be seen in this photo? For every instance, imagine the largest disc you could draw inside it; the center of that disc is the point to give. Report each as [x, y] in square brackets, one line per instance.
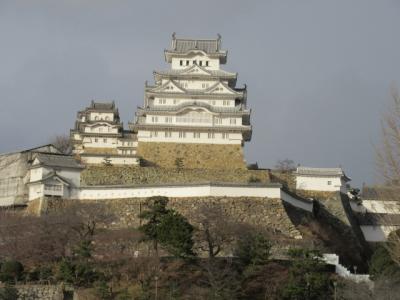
[318, 72]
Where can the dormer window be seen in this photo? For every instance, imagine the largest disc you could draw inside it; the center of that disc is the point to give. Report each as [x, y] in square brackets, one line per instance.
[181, 62]
[206, 63]
[187, 62]
[194, 62]
[200, 63]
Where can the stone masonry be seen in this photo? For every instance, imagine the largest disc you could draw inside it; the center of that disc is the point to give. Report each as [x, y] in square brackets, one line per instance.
[194, 156]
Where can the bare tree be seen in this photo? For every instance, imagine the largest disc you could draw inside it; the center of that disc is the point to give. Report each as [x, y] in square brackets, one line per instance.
[31, 239]
[285, 165]
[62, 143]
[388, 166]
[215, 230]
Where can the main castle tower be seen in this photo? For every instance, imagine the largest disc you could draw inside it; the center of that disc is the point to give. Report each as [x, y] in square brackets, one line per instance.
[194, 112]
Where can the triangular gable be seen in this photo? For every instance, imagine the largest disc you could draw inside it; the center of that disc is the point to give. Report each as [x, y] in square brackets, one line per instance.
[169, 87]
[196, 70]
[54, 177]
[220, 88]
[36, 161]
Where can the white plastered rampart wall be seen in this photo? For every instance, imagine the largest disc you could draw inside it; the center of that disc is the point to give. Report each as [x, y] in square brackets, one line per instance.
[114, 160]
[378, 232]
[189, 190]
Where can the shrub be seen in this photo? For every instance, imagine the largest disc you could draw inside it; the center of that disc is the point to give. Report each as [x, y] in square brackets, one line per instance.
[254, 179]
[11, 271]
[253, 249]
[8, 293]
[103, 290]
[308, 278]
[382, 265]
[78, 274]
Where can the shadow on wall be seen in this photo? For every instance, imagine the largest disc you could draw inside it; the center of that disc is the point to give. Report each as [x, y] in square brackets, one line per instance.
[329, 234]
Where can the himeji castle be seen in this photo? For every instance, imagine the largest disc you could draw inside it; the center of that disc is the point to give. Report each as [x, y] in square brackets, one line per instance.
[193, 112]
[195, 101]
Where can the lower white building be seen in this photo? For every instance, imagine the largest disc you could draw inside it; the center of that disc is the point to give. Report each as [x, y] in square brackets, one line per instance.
[53, 175]
[321, 179]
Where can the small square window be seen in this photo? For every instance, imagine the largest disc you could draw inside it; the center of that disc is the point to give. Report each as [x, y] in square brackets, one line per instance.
[329, 182]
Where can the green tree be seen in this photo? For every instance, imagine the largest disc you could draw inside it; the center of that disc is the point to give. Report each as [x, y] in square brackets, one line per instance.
[308, 278]
[167, 227]
[77, 273]
[175, 234]
[253, 249]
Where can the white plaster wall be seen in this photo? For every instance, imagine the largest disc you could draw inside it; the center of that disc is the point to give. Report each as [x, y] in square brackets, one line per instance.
[103, 129]
[270, 192]
[36, 174]
[96, 160]
[90, 142]
[295, 202]
[198, 119]
[101, 116]
[318, 183]
[376, 206]
[206, 190]
[172, 100]
[127, 143]
[36, 191]
[148, 136]
[213, 64]
[377, 233]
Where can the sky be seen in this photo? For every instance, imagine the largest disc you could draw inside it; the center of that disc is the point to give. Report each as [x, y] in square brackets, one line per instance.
[318, 72]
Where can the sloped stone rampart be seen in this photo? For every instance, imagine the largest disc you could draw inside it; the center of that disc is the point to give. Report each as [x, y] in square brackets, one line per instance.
[260, 212]
[118, 175]
[193, 156]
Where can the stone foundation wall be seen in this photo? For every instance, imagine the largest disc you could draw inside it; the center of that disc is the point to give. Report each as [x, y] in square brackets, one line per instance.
[40, 292]
[113, 175]
[264, 213]
[194, 156]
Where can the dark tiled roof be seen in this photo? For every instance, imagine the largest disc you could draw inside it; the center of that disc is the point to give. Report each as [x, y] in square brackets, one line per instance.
[321, 172]
[103, 105]
[208, 46]
[65, 161]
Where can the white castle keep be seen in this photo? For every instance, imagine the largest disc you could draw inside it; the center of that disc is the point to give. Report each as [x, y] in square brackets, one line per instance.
[195, 101]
